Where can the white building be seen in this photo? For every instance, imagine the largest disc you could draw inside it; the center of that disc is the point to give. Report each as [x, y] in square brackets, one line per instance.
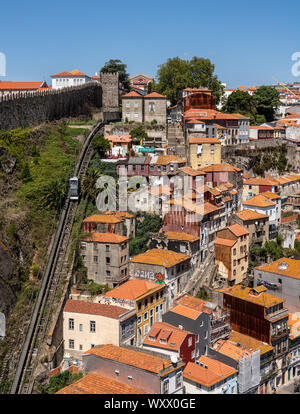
[67, 79]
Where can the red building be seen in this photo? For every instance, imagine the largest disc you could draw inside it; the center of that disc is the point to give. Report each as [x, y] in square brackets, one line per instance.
[166, 338]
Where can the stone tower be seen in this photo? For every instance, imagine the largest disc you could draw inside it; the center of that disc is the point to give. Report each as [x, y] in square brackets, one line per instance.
[110, 91]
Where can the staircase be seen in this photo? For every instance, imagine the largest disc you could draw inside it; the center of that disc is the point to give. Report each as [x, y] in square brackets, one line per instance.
[176, 140]
[203, 275]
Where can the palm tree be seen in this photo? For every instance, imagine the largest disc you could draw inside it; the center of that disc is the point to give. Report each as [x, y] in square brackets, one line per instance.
[53, 195]
[88, 185]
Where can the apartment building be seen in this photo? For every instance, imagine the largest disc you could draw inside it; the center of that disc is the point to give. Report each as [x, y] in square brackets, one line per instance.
[231, 251]
[106, 257]
[166, 266]
[87, 324]
[256, 224]
[170, 340]
[148, 300]
[103, 223]
[144, 108]
[203, 151]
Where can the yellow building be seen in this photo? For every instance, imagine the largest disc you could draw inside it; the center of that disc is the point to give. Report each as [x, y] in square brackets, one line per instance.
[204, 151]
[149, 303]
[119, 144]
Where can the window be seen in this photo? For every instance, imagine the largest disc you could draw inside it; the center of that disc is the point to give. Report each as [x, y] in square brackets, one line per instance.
[127, 104]
[95, 259]
[190, 342]
[146, 303]
[178, 379]
[80, 327]
[234, 252]
[166, 386]
[136, 104]
[136, 115]
[92, 326]
[108, 273]
[83, 258]
[127, 115]
[107, 247]
[151, 106]
[139, 320]
[145, 316]
[80, 347]
[71, 344]
[139, 306]
[108, 260]
[83, 246]
[71, 324]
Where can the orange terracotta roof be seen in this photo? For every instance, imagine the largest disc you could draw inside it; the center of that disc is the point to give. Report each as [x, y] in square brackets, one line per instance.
[231, 350]
[122, 214]
[76, 72]
[194, 303]
[284, 266]
[250, 343]
[133, 289]
[105, 238]
[260, 181]
[209, 208]
[194, 121]
[95, 384]
[90, 308]
[167, 159]
[258, 201]
[203, 140]
[164, 331]
[225, 242]
[221, 168]
[248, 214]
[62, 74]
[263, 299]
[132, 94]
[192, 171]
[160, 257]
[233, 192]
[102, 218]
[270, 195]
[214, 373]
[238, 230]
[294, 325]
[119, 138]
[289, 219]
[186, 311]
[19, 86]
[155, 95]
[177, 235]
[132, 357]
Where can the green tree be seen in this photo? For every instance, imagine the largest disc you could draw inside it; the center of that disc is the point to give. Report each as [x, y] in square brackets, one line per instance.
[25, 173]
[177, 74]
[53, 194]
[139, 133]
[116, 65]
[101, 145]
[241, 102]
[61, 380]
[266, 100]
[88, 185]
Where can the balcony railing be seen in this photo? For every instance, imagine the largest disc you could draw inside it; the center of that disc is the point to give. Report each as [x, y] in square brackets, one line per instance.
[279, 334]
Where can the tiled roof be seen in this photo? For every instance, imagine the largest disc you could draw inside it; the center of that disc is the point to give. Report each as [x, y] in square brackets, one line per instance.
[160, 257]
[102, 218]
[132, 357]
[238, 230]
[162, 330]
[76, 72]
[221, 168]
[194, 303]
[260, 181]
[167, 159]
[133, 289]
[259, 201]
[96, 384]
[186, 311]
[245, 293]
[203, 140]
[90, 308]
[225, 242]
[231, 350]
[9, 85]
[122, 214]
[194, 121]
[177, 235]
[69, 74]
[154, 95]
[250, 343]
[215, 372]
[270, 195]
[248, 214]
[284, 266]
[119, 138]
[132, 94]
[105, 238]
[192, 171]
[289, 219]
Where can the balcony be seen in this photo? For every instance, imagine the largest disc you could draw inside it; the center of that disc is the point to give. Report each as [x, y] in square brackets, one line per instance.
[279, 335]
[274, 317]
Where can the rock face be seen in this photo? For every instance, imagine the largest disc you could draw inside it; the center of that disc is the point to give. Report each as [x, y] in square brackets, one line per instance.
[7, 271]
[7, 162]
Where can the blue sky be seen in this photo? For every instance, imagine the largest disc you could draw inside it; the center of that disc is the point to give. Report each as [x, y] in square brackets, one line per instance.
[249, 42]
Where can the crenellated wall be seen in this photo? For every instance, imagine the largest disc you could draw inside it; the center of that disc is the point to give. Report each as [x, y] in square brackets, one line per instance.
[24, 109]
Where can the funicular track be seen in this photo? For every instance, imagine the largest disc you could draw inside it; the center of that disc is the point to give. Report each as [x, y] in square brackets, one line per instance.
[55, 273]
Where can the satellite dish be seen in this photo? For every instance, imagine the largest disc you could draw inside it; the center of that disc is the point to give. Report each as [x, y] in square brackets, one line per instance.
[174, 359]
